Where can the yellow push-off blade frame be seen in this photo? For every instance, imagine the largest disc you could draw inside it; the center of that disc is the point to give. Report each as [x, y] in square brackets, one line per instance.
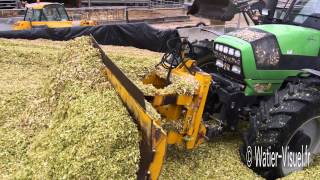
[153, 143]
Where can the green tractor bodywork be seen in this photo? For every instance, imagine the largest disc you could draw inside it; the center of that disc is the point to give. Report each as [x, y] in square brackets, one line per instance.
[265, 82]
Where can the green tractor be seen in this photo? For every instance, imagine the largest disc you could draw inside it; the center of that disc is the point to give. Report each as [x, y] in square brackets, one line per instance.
[269, 74]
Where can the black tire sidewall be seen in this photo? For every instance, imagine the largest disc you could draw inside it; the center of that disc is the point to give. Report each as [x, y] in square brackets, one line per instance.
[296, 109]
[306, 113]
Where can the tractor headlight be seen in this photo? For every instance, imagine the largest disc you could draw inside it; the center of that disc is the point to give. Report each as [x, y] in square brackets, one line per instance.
[236, 69]
[221, 48]
[237, 53]
[219, 63]
[217, 47]
[225, 49]
[231, 51]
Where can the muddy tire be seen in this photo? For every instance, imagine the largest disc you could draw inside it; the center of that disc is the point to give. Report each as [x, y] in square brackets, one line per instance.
[291, 118]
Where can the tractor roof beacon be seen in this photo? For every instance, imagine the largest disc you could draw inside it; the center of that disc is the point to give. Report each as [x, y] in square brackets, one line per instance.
[270, 74]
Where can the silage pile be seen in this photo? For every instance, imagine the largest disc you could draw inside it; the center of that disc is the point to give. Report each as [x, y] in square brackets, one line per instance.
[81, 129]
[24, 67]
[60, 119]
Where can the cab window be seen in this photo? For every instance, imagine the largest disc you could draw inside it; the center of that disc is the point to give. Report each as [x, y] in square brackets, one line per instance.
[28, 16]
[305, 10]
[55, 13]
[34, 15]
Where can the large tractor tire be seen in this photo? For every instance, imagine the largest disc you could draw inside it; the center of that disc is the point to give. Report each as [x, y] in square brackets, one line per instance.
[289, 119]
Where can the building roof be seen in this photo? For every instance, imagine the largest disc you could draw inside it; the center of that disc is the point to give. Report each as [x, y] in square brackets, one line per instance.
[39, 5]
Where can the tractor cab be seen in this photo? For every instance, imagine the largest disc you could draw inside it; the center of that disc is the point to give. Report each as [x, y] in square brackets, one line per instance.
[46, 12]
[48, 15]
[304, 13]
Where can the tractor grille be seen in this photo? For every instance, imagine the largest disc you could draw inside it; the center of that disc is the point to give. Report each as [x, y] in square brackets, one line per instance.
[228, 62]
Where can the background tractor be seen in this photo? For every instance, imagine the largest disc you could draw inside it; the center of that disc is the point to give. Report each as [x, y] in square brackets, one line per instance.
[48, 15]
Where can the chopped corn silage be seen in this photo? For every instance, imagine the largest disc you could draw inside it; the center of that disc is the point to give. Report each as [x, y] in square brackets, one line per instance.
[65, 134]
[136, 65]
[75, 126]
[23, 68]
[181, 85]
[215, 160]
